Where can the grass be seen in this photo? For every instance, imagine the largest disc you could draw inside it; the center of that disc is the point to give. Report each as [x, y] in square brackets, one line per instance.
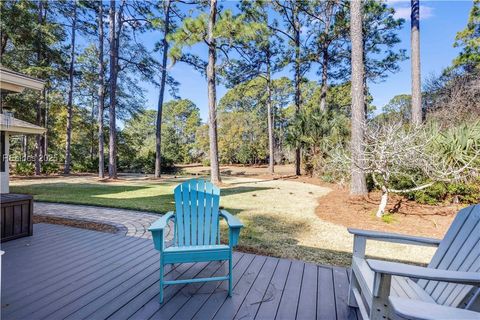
[279, 215]
[388, 218]
[148, 197]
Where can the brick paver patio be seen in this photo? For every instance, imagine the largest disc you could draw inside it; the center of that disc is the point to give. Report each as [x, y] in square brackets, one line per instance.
[128, 222]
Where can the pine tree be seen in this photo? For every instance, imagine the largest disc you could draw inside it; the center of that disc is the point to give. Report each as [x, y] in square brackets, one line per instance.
[358, 181]
[290, 12]
[101, 92]
[328, 30]
[416, 80]
[71, 70]
[114, 31]
[469, 40]
[220, 32]
[163, 81]
[259, 58]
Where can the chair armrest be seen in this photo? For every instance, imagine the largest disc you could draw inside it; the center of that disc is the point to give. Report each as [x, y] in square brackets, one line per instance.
[234, 225]
[232, 221]
[161, 223]
[416, 272]
[394, 237]
[157, 230]
[415, 309]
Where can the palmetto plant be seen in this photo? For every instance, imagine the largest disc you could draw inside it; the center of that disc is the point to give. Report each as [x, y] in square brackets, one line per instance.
[457, 148]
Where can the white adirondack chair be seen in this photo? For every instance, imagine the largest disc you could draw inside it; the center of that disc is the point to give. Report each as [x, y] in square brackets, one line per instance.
[447, 289]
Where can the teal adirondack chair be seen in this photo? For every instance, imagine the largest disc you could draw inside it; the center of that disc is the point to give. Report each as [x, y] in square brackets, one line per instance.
[196, 233]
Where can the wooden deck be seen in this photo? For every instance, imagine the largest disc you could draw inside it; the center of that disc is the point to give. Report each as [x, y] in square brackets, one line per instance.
[69, 273]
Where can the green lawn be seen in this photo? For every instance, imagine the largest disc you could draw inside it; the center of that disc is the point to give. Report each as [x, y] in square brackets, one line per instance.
[147, 196]
[279, 215]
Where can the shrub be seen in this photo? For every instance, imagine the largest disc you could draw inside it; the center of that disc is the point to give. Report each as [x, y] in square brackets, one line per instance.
[86, 165]
[206, 162]
[145, 164]
[432, 195]
[466, 193]
[24, 168]
[50, 168]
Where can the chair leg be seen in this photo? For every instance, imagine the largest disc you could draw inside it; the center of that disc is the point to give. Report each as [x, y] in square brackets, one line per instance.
[230, 276]
[351, 301]
[161, 282]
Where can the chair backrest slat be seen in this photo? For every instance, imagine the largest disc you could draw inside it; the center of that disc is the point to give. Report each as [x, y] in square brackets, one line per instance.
[215, 228]
[193, 211]
[463, 261]
[208, 213]
[458, 251]
[458, 293]
[179, 239]
[197, 210]
[186, 212]
[201, 211]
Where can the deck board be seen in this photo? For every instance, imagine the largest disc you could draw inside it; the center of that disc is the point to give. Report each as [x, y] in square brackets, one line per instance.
[326, 299]
[68, 273]
[77, 261]
[189, 310]
[307, 303]
[241, 285]
[289, 302]
[271, 299]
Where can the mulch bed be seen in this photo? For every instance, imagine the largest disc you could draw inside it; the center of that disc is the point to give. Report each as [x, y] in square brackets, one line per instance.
[76, 223]
[407, 217]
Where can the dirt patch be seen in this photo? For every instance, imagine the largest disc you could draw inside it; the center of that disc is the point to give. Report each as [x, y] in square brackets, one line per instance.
[76, 223]
[405, 216]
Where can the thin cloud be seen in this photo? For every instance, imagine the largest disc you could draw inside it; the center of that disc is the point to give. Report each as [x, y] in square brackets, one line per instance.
[426, 12]
[393, 2]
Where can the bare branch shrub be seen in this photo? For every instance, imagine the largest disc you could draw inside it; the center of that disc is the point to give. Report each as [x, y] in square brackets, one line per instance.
[422, 154]
[453, 98]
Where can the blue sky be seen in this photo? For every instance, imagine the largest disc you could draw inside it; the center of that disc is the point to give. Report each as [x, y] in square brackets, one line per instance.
[440, 21]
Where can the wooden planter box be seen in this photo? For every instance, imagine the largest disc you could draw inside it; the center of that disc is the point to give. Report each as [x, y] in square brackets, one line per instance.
[16, 216]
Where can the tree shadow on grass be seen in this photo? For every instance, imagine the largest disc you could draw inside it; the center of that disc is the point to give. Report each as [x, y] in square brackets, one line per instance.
[277, 236]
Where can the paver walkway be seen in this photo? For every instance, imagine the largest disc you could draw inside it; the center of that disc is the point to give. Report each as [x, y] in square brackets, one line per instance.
[128, 222]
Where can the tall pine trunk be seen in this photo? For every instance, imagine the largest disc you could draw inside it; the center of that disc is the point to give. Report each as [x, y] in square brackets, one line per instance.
[271, 147]
[45, 136]
[358, 182]
[38, 138]
[112, 147]
[68, 139]
[323, 93]
[296, 22]
[101, 94]
[416, 80]
[158, 133]
[92, 128]
[325, 57]
[212, 95]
